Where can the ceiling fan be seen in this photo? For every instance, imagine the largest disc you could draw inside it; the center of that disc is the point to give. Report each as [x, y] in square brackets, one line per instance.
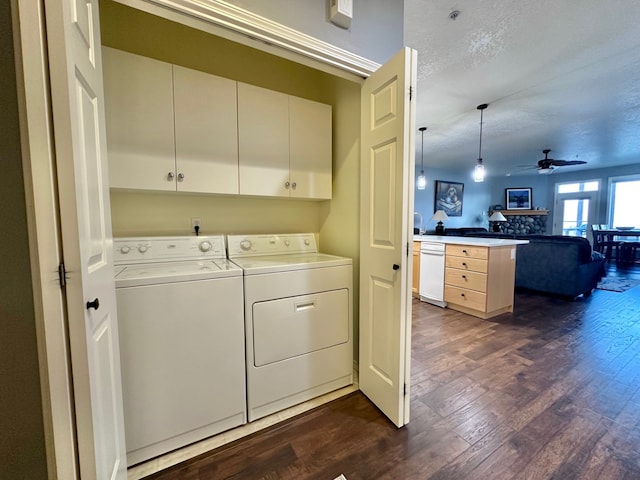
[547, 165]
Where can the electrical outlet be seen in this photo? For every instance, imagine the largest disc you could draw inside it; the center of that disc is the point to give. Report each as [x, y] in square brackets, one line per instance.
[195, 222]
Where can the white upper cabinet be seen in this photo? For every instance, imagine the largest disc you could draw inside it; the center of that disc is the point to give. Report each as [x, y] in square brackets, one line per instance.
[169, 128]
[263, 141]
[309, 148]
[139, 116]
[284, 144]
[206, 129]
[172, 128]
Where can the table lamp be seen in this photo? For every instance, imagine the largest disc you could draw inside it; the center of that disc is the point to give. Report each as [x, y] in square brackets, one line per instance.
[440, 216]
[495, 218]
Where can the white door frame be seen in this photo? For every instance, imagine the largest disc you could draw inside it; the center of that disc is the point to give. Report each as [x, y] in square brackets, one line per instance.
[558, 211]
[36, 133]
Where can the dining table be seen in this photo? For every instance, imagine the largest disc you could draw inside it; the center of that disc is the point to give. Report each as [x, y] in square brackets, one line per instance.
[627, 247]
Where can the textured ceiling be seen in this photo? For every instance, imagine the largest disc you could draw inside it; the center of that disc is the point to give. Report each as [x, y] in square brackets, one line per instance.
[563, 75]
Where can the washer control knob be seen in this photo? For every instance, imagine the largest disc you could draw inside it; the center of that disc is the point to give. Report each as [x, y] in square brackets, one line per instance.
[306, 242]
[287, 242]
[143, 248]
[205, 246]
[245, 245]
[125, 249]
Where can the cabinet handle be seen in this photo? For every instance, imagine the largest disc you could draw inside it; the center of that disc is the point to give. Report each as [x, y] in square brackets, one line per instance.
[170, 176]
[294, 185]
[396, 266]
[180, 177]
[286, 185]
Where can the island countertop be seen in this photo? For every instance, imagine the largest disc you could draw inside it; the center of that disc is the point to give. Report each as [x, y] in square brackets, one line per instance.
[474, 241]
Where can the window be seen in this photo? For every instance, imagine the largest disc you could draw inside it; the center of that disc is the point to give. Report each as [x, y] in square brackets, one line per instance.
[574, 210]
[624, 194]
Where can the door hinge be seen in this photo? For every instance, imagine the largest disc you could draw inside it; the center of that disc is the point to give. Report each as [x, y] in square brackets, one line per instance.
[408, 248]
[62, 275]
[410, 92]
[404, 390]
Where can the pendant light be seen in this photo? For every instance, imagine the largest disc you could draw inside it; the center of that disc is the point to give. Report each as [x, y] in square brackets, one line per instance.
[421, 183]
[478, 171]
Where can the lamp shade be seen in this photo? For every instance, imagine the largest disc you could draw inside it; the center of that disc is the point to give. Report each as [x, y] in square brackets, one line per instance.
[440, 216]
[497, 217]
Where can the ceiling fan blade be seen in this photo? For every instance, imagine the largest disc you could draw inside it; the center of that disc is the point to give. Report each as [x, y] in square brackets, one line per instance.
[563, 163]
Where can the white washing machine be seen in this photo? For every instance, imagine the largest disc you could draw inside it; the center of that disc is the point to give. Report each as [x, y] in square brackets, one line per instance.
[298, 319]
[181, 323]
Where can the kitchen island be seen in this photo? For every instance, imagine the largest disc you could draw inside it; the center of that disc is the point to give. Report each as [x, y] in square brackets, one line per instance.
[478, 277]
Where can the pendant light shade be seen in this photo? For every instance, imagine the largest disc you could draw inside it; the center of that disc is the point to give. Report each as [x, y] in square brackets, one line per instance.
[421, 182]
[478, 171]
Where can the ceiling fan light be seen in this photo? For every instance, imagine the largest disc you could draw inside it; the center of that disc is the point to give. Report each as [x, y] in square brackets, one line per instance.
[545, 171]
[421, 183]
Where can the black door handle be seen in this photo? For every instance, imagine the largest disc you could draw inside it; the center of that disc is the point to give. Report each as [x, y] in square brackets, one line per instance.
[396, 266]
[95, 304]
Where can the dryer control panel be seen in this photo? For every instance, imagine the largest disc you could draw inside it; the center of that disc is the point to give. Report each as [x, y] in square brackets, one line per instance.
[253, 245]
[165, 249]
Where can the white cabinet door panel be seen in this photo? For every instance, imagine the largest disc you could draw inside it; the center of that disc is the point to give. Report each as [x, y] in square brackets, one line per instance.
[206, 131]
[310, 148]
[263, 141]
[139, 116]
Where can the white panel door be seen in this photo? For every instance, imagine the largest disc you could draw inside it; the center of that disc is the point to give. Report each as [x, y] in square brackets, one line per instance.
[139, 113]
[79, 135]
[386, 221]
[205, 108]
[263, 141]
[310, 148]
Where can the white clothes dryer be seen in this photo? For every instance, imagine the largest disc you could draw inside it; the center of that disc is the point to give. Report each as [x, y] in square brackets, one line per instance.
[181, 323]
[298, 319]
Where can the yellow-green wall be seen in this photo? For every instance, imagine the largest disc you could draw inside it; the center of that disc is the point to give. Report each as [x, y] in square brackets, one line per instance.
[336, 221]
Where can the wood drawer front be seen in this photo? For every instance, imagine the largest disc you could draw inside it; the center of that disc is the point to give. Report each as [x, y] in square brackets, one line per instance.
[467, 280]
[468, 251]
[469, 264]
[467, 298]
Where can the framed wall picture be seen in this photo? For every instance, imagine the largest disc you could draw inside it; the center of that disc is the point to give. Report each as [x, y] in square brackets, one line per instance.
[518, 198]
[449, 198]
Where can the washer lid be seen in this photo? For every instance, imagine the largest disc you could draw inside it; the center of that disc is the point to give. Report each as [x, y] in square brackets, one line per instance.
[285, 263]
[169, 272]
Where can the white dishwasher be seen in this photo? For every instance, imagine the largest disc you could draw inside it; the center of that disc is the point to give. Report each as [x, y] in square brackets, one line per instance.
[432, 273]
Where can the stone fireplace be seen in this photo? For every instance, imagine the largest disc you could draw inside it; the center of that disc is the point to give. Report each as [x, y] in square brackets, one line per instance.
[524, 222]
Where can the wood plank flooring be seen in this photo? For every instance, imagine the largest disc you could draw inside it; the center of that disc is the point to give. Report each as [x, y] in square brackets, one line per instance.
[551, 391]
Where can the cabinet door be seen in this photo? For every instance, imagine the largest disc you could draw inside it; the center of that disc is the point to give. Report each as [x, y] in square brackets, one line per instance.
[309, 148]
[206, 131]
[139, 117]
[263, 141]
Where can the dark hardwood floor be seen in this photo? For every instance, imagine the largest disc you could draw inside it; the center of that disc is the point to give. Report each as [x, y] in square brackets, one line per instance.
[550, 391]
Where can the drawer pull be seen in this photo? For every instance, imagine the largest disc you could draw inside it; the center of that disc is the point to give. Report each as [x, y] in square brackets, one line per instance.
[464, 276]
[464, 264]
[462, 294]
[465, 252]
[302, 306]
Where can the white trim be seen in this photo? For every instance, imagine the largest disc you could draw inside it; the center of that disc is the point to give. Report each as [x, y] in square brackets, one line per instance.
[234, 23]
[44, 237]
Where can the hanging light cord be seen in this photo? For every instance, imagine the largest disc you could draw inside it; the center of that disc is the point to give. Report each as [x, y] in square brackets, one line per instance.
[480, 147]
[422, 151]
